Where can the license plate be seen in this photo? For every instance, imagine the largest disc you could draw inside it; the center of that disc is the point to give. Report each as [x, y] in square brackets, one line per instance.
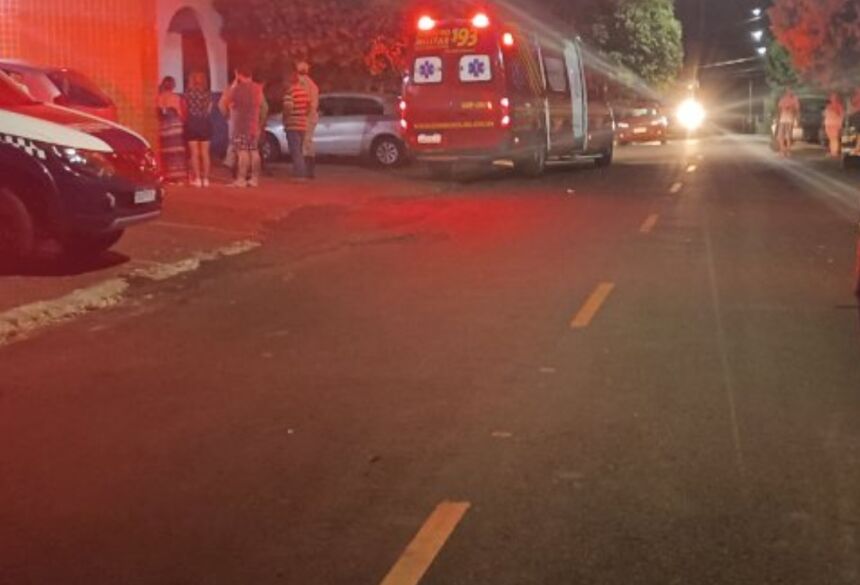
[145, 196]
[640, 130]
[429, 139]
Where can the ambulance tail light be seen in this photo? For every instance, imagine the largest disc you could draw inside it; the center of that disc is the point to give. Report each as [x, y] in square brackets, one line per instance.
[481, 20]
[505, 103]
[426, 23]
[507, 40]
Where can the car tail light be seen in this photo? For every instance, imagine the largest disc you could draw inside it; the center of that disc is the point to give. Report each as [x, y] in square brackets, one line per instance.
[481, 20]
[426, 23]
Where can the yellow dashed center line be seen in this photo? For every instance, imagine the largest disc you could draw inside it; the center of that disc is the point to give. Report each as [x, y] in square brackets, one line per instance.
[649, 223]
[591, 307]
[676, 188]
[692, 168]
[421, 552]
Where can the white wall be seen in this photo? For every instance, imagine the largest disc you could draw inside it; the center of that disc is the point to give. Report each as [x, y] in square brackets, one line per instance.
[170, 44]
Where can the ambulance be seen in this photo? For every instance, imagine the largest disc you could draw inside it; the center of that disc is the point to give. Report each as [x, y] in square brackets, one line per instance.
[483, 87]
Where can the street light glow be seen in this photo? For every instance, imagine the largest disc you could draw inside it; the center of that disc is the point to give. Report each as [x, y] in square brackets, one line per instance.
[758, 35]
[762, 51]
[756, 12]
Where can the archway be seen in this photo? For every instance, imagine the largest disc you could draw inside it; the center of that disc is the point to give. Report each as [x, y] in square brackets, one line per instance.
[185, 34]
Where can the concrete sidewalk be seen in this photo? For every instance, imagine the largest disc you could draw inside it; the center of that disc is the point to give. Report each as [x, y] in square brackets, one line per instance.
[198, 223]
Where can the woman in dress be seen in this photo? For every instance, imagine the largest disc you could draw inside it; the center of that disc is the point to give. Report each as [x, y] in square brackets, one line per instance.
[171, 113]
[198, 127]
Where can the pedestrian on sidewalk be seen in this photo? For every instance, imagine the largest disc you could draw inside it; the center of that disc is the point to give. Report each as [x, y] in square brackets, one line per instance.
[171, 116]
[303, 69]
[242, 103]
[198, 127]
[296, 113]
[788, 116]
[834, 119]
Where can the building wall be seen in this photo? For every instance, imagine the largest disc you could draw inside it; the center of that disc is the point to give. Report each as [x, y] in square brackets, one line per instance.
[111, 41]
[170, 43]
[123, 45]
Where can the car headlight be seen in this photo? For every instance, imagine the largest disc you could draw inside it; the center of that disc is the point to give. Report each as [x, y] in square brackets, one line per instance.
[87, 162]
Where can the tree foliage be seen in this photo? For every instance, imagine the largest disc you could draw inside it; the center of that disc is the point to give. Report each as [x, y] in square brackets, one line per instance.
[778, 67]
[347, 39]
[343, 39]
[641, 36]
[644, 36]
[822, 37]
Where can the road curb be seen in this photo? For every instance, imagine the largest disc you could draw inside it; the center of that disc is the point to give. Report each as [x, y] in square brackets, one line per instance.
[19, 323]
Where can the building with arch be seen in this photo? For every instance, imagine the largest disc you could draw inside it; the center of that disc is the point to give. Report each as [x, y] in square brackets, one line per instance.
[126, 46]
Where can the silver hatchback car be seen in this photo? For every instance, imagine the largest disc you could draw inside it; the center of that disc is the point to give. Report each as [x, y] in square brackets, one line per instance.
[350, 125]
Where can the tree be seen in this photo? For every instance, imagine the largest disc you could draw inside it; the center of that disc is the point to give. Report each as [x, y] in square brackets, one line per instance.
[822, 37]
[778, 67]
[342, 39]
[643, 36]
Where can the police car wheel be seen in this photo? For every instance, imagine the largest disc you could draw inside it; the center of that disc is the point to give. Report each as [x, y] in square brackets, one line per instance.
[17, 231]
[387, 152]
[89, 245]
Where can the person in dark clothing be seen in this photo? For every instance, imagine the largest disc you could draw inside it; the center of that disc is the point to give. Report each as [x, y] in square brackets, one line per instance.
[198, 127]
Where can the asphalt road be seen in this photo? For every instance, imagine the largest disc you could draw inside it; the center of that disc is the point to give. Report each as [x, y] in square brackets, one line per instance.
[648, 374]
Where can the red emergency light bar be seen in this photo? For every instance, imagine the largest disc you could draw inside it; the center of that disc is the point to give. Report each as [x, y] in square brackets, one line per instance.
[481, 20]
[426, 23]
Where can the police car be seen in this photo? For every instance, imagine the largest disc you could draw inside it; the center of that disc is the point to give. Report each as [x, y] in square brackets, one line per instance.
[66, 175]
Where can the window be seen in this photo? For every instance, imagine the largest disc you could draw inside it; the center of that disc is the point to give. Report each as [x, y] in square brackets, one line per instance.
[428, 70]
[78, 90]
[475, 68]
[556, 74]
[11, 95]
[362, 107]
[327, 107]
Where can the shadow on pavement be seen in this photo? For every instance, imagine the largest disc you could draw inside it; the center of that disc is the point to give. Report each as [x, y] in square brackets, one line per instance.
[46, 265]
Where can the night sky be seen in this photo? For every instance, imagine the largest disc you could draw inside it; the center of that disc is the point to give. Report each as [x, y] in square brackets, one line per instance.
[717, 30]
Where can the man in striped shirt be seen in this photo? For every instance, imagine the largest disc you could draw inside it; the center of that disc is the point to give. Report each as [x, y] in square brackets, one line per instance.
[297, 105]
[304, 70]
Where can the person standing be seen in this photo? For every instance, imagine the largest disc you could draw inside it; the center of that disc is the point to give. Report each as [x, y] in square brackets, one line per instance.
[789, 113]
[198, 127]
[303, 69]
[834, 119]
[171, 114]
[296, 110]
[242, 103]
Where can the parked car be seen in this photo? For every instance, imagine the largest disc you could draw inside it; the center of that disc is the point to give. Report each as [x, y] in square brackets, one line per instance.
[351, 125]
[62, 87]
[70, 176]
[642, 123]
[601, 133]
